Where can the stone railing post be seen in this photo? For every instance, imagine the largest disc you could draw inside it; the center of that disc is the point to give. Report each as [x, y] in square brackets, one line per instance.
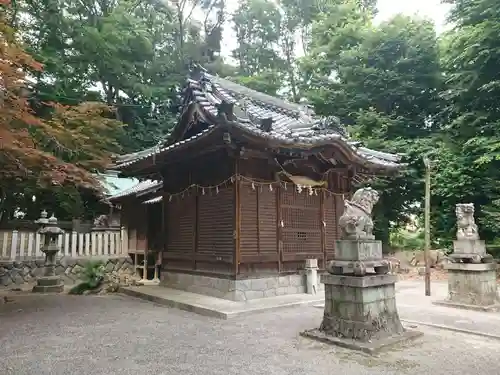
[311, 276]
[123, 241]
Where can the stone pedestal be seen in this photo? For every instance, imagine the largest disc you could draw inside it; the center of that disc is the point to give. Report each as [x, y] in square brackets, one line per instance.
[49, 284]
[470, 251]
[472, 286]
[472, 273]
[357, 257]
[360, 306]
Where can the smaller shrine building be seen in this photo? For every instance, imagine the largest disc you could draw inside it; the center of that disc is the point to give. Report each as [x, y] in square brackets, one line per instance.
[244, 189]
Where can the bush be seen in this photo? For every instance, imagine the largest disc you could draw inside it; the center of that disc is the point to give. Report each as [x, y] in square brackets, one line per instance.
[92, 277]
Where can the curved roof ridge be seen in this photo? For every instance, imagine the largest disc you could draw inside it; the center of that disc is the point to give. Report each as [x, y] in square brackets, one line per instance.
[253, 94]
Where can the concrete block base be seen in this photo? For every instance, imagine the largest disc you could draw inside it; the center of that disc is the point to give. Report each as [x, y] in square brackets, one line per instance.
[212, 306]
[236, 290]
[472, 285]
[371, 347]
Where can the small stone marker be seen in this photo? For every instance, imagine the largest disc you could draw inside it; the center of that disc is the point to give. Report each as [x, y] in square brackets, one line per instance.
[360, 307]
[472, 271]
[311, 276]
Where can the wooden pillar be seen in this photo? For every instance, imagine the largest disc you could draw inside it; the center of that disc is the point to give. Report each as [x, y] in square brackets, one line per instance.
[257, 198]
[322, 224]
[196, 229]
[279, 220]
[237, 230]
[144, 232]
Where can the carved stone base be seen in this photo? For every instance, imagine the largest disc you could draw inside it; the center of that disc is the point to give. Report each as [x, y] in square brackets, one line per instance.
[356, 256]
[469, 247]
[472, 285]
[364, 250]
[360, 308]
[49, 284]
[471, 258]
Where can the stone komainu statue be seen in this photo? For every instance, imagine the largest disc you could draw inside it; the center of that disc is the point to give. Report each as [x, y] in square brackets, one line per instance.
[356, 221]
[102, 221]
[466, 226]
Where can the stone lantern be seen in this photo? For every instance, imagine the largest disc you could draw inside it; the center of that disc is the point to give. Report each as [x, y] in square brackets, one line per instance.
[49, 282]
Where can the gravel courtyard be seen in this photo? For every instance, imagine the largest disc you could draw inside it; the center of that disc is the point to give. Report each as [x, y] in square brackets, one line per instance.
[114, 334]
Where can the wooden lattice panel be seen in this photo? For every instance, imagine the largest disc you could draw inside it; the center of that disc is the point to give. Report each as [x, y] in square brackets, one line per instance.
[301, 219]
[258, 220]
[216, 222]
[331, 224]
[181, 222]
[249, 243]
[267, 221]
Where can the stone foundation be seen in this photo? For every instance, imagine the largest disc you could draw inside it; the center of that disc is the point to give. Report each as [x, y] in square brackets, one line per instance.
[360, 308]
[236, 290]
[360, 313]
[17, 273]
[471, 285]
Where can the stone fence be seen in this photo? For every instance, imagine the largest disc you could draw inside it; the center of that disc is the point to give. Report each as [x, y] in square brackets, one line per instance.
[26, 245]
[23, 272]
[22, 261]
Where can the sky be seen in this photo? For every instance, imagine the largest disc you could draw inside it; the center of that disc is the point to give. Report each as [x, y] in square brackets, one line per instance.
[432, 9]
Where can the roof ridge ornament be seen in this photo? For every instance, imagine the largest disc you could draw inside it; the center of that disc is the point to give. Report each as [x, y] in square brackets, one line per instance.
[225, 109]
[306, 112]
[266, 124]
[196, 71]
[332, 123]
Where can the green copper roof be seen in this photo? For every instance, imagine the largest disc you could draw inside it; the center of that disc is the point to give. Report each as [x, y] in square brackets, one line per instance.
[113, 184]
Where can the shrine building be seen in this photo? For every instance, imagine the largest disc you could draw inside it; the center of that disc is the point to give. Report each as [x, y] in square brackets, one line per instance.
[243, 190]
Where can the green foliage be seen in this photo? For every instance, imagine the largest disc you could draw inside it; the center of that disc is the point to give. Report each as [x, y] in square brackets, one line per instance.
[268, 82]
[128, 54]
[408, 241]
[383, 81]
[467, 168]
[91, 277]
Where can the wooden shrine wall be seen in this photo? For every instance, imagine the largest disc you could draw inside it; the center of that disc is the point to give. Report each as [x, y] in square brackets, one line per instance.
[200, 232]
[281, 228]
[272, 231]
[134, 218]
[258, 233]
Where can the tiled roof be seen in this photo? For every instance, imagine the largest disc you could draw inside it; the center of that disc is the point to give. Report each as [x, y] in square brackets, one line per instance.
[292, 125]
[144, 154]
[290, 120]
[141, 188]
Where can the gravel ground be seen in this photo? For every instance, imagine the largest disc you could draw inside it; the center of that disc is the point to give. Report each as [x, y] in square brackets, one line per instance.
[103, 335]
